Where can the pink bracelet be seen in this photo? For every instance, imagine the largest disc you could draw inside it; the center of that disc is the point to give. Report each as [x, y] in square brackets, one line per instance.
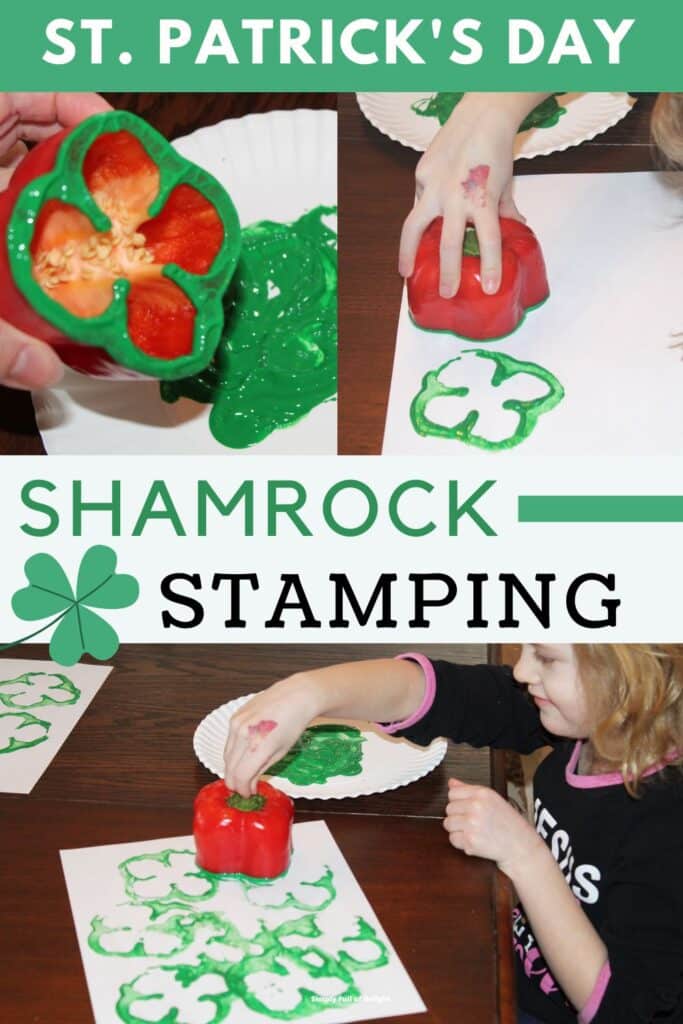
[429, 693]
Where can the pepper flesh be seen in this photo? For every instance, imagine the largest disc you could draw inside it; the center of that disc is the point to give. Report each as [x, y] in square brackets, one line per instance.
[471, 313]
[249, 836]
[118, 250]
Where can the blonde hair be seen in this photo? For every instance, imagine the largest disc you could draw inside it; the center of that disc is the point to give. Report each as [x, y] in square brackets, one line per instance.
[666, 126]
[634, 694]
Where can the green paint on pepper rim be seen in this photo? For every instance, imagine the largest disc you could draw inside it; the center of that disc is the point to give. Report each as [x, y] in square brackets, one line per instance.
[109, 330]
[442, 104]
[529, 411]
[481, 341]
[277, 356]
[321, 753]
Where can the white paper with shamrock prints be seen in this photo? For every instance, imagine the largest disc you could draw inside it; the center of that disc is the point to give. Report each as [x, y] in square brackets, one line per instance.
[613, 245]
[161, 940]
[40, 703]
[386, 762]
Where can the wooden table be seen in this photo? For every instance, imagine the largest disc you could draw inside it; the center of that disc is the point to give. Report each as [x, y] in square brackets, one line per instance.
[376, 188]
[173, 114]
[128, 773]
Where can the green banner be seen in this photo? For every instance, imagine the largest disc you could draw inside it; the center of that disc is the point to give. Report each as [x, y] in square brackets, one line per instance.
[624, 508]
[302, 45]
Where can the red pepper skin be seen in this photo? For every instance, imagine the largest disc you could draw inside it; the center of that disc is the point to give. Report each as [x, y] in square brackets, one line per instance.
[13, 306]
[471, 313]
[256, 843]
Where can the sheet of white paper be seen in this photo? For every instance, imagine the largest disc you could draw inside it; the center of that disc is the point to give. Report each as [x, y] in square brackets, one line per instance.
[275, 166]
[40, 703]
[613, 246]
[156, 935]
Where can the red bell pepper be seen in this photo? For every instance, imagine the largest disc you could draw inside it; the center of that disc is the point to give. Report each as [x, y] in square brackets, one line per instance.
[243, 835]
[471, 313]
[117, 250]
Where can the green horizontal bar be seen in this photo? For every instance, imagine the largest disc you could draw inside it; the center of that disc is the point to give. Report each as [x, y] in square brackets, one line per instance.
[612, 508]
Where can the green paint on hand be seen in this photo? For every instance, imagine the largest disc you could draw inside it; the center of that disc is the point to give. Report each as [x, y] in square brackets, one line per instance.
[442, 104]
[277, 358]
[21, 730]
[321, 753]
[37, 689]
[529, 411]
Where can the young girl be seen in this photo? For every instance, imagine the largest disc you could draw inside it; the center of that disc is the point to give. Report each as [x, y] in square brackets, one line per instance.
[598, 932]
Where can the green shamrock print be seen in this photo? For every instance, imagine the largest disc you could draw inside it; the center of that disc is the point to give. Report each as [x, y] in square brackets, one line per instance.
[21, 730]
[175, 995]
[169, 875]
[528, 411]
[38, 689]
[79, 630]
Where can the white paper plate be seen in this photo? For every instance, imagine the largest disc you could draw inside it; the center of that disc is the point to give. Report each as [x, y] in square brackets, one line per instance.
[275, 166]
[588, 114]
[387, 762]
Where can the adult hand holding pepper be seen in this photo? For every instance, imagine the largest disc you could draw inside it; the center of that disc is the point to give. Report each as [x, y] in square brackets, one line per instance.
[26, 362]
[465, 176]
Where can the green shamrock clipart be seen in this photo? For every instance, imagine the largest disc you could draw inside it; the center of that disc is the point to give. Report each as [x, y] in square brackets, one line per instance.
[79, 630]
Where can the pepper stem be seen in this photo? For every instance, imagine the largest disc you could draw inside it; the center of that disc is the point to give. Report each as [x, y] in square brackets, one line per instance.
[246, 803]
[470, 246]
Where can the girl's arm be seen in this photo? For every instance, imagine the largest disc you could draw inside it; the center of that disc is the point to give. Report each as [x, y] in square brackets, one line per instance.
[573, 950]
[261, 732]
[482, 823]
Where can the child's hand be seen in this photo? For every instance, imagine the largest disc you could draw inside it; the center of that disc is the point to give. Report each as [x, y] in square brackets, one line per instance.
[26, 362]
[466, 176]
[483, 824]
[264, 730]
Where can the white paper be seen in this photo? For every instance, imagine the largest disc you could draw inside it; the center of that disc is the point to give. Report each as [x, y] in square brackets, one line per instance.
[275, 166]
[40, 703]
[147, 927]
[613, 246]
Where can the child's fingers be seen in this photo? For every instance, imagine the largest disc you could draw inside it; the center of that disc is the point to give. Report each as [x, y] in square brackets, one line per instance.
[488, 235]
[419, 218]
[450, 251]
[235, 753]
[460, 792]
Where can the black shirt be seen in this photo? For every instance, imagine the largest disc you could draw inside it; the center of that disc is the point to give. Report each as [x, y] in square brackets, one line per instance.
[621, 856]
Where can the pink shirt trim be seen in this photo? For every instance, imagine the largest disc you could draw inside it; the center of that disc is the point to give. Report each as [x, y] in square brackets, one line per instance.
[607, 778]
[596, 996]
[427, 699]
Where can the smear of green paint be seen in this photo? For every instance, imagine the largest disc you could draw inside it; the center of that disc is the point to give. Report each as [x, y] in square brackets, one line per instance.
[442, 104]
[277, 358]
[529, 410]
[321, 753]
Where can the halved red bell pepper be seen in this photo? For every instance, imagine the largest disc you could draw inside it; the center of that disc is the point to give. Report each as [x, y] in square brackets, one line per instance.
[117, 250]
[471, 313]
[249, 836]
